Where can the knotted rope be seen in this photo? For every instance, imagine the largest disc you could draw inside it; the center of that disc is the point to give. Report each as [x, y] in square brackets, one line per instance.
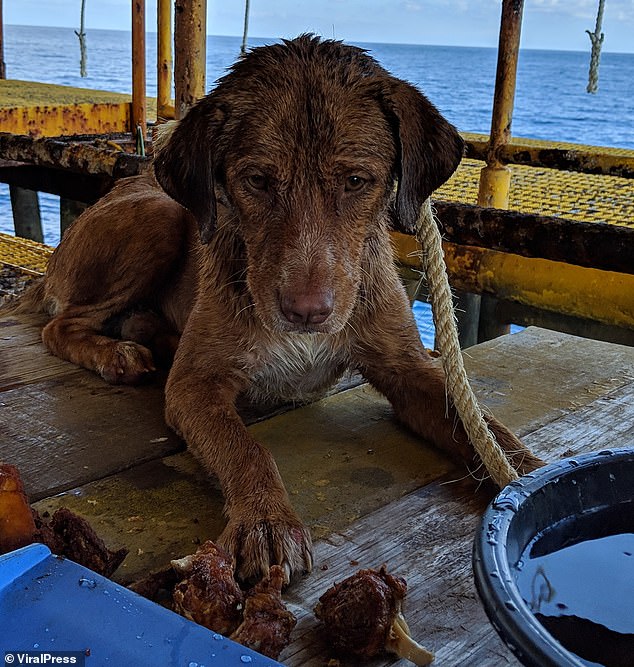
[596, 38]
[458, 385]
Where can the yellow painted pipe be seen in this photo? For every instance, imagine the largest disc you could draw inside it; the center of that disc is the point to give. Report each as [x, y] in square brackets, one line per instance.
[190, 51]
[495, 179]
[494, 187]
[164, 58]
[602, 296]
[139, 104]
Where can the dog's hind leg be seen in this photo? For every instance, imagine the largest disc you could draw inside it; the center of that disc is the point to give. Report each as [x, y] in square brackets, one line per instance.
[77, 338]
[122, 279]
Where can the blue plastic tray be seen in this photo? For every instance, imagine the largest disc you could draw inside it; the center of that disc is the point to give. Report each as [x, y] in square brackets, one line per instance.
[52, 604]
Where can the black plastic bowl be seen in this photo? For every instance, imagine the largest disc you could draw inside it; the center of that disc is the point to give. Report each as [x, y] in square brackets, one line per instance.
[562, 494]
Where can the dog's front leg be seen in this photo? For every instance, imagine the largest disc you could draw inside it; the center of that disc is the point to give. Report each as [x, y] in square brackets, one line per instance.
[262, 527]
[392, 358]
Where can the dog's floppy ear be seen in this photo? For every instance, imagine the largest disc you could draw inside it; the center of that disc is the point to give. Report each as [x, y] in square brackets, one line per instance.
[429, 149]
[184, 162]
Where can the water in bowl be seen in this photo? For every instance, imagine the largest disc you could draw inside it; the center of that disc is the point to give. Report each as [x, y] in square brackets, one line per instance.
[577, 577]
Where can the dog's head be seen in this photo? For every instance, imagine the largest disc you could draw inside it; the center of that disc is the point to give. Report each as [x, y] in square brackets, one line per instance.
[304, 145]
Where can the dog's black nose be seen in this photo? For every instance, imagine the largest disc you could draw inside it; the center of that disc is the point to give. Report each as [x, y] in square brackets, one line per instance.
[307, 308]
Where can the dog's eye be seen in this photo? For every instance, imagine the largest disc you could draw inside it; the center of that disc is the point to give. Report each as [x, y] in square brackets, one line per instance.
[354, 183]
[257, 181]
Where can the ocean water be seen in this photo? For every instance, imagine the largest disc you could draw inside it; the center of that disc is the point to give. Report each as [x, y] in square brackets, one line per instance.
[551, 102]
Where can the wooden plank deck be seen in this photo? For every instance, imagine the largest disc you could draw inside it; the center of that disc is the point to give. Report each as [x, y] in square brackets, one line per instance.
[370, 492]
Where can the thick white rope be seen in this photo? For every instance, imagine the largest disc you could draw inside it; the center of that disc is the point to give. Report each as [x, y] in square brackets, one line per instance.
[458, 385]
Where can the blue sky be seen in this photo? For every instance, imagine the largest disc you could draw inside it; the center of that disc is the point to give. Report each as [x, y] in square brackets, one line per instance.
[548, 24]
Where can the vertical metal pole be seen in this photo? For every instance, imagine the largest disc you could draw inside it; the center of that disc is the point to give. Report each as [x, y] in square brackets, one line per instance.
[495, 178]
[190, 52]
[139, 104]
[3, 68]
[27, 220]
[164, 59]
[82, 39]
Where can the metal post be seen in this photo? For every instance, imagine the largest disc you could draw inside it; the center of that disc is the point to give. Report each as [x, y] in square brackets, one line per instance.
[3, 68]
[27, 221]
[139, 104]
[164, 108]
[190, 52]
[495, 178]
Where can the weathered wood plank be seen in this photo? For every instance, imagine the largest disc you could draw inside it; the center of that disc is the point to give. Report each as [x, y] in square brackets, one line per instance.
[340, 461]
[23, 358]
[72, 428]
[427, 536]
[533, 377]
[161, 509]
[64, 432]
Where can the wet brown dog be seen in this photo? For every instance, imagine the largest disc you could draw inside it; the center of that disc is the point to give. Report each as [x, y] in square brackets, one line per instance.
[289, 172]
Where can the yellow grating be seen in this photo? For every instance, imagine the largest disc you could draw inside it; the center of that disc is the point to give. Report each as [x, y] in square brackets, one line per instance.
[565, 194]
[28, 256]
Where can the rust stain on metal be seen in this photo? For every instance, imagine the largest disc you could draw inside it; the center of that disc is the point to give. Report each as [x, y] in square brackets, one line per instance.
[602, 296]
[75, 156]
[72, 119]
[585, 159]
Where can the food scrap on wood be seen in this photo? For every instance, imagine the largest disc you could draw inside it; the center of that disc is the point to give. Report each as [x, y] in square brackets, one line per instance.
[70, 535]
[362, 617]
[267, 623]
[203, 589]
[66, 534]
[17, 526]
[208, 593]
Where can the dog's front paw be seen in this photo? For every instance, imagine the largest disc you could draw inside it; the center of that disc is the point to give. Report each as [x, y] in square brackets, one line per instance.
[125, 362]
[259, 540]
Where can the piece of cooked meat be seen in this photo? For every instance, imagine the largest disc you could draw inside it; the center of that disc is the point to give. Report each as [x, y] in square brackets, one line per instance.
[17, 527]
[209, 595]
[72, 536]
[267, 623]
[362, 617]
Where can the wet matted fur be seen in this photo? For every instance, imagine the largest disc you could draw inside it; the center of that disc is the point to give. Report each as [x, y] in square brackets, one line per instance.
[263, 243]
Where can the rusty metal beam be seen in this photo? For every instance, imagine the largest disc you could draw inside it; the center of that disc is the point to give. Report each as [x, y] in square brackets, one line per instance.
[590, 244]
[591, 294]
[508, 52]
[565, 159]
[190, 51]
[139, 104]
[83, 158]
[69, 119]
[87, 188]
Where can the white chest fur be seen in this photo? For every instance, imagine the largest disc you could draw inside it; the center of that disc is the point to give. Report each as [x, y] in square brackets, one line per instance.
[297, 367]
